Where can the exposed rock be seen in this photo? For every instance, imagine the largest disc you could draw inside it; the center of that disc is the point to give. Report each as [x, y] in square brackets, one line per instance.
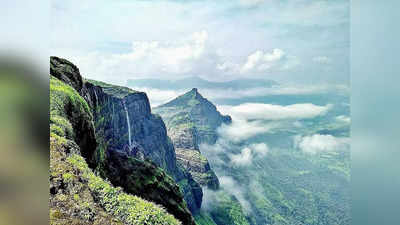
[198, 166]
[191, 120]
[184, 137]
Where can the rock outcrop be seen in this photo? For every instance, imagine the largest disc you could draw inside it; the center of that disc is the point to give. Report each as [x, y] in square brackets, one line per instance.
[191, 120]
[122, 138]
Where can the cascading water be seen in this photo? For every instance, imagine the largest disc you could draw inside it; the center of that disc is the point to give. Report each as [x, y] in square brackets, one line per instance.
[127, 121]
[95, 94]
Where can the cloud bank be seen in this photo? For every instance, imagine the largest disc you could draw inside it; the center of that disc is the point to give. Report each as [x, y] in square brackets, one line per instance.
[321, 143]
[259, 111]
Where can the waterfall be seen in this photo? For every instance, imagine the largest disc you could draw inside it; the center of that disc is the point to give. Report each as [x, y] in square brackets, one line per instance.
[95, 94]
[127, 121]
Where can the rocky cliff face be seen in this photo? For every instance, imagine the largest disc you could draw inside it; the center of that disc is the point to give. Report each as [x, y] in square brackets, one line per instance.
[126, 135]
[77, 194]
[124, 121]
[191, 119]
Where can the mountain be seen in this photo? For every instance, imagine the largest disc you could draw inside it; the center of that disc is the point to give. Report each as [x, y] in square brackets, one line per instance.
[194, 111]
[200, 83]
[192, 120]
[111, 159]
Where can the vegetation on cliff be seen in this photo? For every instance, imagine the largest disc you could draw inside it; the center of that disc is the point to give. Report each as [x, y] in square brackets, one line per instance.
[85, 171]
[77, 195]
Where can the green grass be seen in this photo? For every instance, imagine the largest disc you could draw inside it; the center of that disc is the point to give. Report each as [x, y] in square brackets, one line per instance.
[115, 90]
[130, 209]
[61, 95]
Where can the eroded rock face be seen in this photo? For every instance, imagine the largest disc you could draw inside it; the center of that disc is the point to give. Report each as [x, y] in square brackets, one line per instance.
[191, 120]
[198, 166]
[185, 137]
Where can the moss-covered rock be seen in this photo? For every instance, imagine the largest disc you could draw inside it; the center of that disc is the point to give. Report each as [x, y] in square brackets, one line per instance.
[78, 196]
[145, 179]
[69, 111]
[67, 72]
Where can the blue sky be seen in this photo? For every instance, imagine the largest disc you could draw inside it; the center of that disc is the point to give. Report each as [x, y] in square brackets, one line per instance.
[291, 41]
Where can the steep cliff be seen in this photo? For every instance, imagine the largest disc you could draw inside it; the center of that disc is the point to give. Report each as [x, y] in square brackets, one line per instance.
[191, 119]
[124, 137]
[77, 195]
[124, 121]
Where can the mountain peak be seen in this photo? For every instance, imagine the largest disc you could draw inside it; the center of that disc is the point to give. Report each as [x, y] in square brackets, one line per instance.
[189, 99]
[193, 110]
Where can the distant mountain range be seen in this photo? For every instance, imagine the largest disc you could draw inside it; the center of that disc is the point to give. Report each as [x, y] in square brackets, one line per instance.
[198, 82]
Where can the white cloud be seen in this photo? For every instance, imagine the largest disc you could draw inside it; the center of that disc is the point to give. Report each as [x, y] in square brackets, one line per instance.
[171, 57]
[240, 129]
[244, 158]
[343, 119]
[261, 61]
[320, 143]
[232, 187]
[260, 148]
[247, 154]
[322, 60]
[251, 111]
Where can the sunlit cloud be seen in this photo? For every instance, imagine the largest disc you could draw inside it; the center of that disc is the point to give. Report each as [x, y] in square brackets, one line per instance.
[259, 111]
[320, 143]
